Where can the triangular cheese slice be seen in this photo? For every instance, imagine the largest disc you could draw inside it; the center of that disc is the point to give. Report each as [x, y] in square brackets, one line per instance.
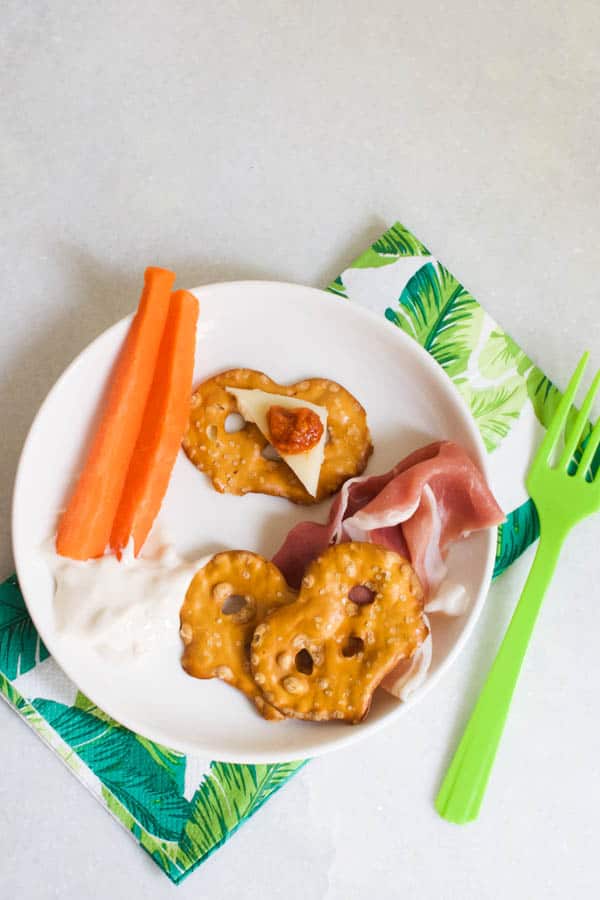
[253, 405]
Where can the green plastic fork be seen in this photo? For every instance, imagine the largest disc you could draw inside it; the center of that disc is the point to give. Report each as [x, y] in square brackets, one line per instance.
[563, 494]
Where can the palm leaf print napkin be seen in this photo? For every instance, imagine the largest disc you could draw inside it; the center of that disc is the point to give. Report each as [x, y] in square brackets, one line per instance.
[181, 808]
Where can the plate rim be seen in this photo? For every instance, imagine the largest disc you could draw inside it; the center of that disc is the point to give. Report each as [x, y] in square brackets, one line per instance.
[355, 734]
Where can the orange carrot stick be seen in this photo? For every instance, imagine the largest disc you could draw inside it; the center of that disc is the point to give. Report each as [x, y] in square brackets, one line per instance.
[85, 526]
[163, 426]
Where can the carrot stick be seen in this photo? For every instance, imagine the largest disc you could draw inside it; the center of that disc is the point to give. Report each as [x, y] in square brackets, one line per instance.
[85, 525]
[163, 426]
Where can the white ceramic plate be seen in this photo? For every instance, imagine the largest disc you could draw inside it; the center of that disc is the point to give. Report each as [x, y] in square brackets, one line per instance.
[291, 332]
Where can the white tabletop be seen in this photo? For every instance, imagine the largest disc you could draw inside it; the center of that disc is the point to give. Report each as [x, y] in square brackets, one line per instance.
[275, 140]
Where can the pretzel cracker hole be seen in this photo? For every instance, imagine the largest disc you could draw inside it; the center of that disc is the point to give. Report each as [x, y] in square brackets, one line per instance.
[234, 423]
[353, 646]
[304, 662]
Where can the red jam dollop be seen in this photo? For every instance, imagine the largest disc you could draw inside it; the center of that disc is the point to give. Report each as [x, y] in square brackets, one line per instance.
[294, 430]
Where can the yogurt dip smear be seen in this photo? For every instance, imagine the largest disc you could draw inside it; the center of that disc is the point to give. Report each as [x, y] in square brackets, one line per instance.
[122, 609]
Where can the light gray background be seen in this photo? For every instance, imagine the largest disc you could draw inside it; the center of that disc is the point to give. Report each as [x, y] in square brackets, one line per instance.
[275, 140]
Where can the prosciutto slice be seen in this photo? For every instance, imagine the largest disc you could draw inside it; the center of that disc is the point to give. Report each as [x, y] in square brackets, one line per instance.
[433, 497]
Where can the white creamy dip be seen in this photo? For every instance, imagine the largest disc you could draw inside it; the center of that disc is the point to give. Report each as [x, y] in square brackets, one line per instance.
[122, 609]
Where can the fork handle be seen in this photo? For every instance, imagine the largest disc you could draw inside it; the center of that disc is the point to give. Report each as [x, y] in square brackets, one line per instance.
[462, 790]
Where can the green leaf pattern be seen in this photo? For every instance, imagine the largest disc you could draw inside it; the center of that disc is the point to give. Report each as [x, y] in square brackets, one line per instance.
[501, 355]
[396, 242]
[544, 396]
[521, 529]
[338, 288]
[229, 795]
[164, 853]
[123, 765]
[21, 647]
[441, 315]
[495, 409]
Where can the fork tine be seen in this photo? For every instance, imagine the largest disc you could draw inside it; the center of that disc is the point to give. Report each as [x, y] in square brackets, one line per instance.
[560, 416]
[574, 436]
[590, 451]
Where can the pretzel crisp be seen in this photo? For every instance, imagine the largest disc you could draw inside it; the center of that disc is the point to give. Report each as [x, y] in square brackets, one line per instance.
[226, 600]
[358, 613]
[235, 462]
